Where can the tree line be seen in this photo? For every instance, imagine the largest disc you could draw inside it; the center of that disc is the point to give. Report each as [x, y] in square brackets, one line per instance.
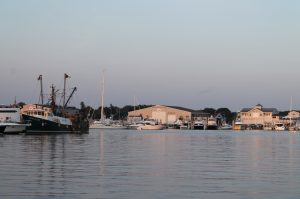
[121, 113]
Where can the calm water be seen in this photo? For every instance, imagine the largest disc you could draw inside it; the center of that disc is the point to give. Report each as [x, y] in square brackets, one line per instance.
[117, 164]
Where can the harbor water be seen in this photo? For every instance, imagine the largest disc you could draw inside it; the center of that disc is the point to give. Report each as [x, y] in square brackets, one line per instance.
[116, 164]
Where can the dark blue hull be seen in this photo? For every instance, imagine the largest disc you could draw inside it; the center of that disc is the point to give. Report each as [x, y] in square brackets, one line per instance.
[2, 129]
[39, 125]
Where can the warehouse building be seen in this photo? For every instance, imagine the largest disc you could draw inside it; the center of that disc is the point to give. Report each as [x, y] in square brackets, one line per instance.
[165, 114]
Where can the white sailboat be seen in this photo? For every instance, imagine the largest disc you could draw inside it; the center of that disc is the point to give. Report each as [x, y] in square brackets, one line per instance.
[103, 123]
[292, 127]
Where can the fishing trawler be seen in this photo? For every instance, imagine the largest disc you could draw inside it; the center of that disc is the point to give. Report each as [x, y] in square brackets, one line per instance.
[51, 118]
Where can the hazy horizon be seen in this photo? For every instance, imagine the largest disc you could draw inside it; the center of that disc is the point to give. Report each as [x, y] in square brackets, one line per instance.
[189, 53]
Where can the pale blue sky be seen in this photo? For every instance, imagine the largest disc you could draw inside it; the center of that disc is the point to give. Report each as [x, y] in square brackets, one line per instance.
[191, 53]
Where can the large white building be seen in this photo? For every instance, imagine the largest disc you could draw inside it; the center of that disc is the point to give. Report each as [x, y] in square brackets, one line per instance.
[168, 114]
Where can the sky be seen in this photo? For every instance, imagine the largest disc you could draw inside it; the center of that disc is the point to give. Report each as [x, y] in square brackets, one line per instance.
[189, 53]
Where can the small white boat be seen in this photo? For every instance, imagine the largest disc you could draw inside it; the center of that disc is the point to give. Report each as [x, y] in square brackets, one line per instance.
[198, 125]
[212, 124]
[10, 117]
[134, 126]
[279, 127]
[239, 125]
[183, 127]
[150, 125]
[12, 127]
[226, 127]
[103, 125]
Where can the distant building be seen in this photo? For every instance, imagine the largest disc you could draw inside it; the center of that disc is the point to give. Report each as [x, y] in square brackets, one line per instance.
[259, 115]
[166, 114]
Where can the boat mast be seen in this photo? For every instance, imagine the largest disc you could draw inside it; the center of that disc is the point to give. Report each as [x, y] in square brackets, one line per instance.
[41, 93]
[102, 98]
[134, 105]
[64, 92]
[291, 110]
[53, 98]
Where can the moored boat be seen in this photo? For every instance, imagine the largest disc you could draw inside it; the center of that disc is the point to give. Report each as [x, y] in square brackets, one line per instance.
[2, 128]
[226, 127]
[97, 124]
[238, 125]
[11, 118]
[134, 126]
[41, 119]
[211, 124]
[52, 118]
[279, 127]
[150, 125]
[198, 125]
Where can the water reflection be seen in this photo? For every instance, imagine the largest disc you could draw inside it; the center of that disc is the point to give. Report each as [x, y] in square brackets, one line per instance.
[164, 164]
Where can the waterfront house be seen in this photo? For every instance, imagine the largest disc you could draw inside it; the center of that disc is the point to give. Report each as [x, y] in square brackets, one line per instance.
[259, 115]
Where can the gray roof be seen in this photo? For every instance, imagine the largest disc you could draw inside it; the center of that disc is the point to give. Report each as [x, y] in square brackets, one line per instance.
[263, 110]
[181, 108]
[200, 114]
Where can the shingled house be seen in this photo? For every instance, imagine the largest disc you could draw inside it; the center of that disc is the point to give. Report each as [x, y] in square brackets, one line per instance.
[259, 115]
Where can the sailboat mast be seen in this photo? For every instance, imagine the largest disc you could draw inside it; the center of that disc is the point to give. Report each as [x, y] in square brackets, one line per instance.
[102, 98]
[291, 110]
[41, 92]
[134, 104]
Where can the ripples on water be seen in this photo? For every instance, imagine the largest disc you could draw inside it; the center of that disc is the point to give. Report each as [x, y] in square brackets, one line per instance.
[117, 164]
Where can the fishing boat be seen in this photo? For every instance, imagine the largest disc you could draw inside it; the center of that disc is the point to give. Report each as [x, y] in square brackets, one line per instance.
[51, 118]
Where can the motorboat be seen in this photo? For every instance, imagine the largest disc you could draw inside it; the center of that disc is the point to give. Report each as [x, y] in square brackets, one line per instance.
[279, 127]
[211, 124]
[150, 125]
[239, 125]
[184, 127]
[97, 124]
[225, 127]
[134, 126]
[198, 125]
[11, 118]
